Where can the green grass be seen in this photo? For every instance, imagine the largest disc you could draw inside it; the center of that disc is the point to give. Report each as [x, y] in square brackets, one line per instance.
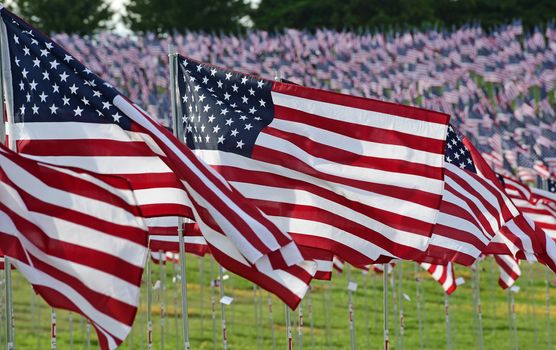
[330, 314]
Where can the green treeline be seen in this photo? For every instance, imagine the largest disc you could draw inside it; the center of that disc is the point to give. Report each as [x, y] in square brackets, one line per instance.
[232, 16]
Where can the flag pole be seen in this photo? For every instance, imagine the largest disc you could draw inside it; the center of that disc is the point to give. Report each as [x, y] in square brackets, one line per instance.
[385, 303]
[300, 325]
[447, 316]
[418, 302]
[162, 295]
[475, 271]
[175, 281]
[533, 308]
[548, 325]
[365, 275]
[7, 265]
[400, 304]
[213, 301]
[257, 321]
[326, 305]
[88, 330]
[185, 315]
[311, 321]
[270, 314]
[278, 78]
[53, 329]
[288, 328]
[511, 314]
[9, 305]
[70, 318]
[202, 296]
[351, 288]
[223, 312]
[149, 306]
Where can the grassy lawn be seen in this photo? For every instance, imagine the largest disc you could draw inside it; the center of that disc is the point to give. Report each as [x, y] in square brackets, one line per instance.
[249, 325]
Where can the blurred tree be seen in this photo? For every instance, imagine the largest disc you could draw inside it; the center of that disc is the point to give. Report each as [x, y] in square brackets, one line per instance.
[313, 14]
[69, 16]
[161, 16]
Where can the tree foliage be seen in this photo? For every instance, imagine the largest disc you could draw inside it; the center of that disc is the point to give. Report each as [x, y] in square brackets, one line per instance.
[313, 14]
[163, 16]
[68, 16]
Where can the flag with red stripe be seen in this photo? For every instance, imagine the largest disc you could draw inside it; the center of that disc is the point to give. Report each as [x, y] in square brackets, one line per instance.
[78, 239]
[474, 206]
[509, 270]
[443, 274]
[358, 177]
[61, 112]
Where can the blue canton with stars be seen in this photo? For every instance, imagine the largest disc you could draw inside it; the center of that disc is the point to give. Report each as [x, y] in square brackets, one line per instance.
[49, 85]
[222, 110]
[455, 152]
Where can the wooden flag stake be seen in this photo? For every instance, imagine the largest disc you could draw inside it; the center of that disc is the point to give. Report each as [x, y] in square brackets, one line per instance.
[400, 304]
[223, 312]
[213, 282]
[352, 286]
[288, 328]
[418, 284]
[311, 321]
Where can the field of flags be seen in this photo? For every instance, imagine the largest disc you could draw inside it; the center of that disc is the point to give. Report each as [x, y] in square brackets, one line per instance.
[283, 157]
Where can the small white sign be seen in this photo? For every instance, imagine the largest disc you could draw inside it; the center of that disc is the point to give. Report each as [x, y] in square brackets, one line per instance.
[406, 297]
[225, 277]
[352, 286]
[460, 281]
[515, 289]
[156, 285]
[226, 300]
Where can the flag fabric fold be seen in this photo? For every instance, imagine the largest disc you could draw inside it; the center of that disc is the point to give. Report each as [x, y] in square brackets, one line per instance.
[358, 177]
[77, 238]
[62, 113]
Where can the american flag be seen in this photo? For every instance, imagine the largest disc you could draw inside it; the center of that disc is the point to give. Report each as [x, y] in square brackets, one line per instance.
[443, 274]
[61, 112]
[509, 270]
[358, 177]
[521, 237]
[78, 238]
[474, 207]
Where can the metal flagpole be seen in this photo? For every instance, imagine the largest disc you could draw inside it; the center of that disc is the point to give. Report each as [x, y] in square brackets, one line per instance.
[176, 311]
[162, 296]
[311, 321]
[352, 286]
[385, 304]
[257, 321]
[177, 132]
[533, 308]
[88, 331]
[400, 304]
[271, 316]
[477, 287]
[447, 315]
[300, 325]
[9, 305]
[548, 325]
[149, 305]
[326, 305]
[213, 282]
[223, 312]
[202, 296]
[53, 329]
[395, 304]
[10, 344]
[365, 276]
[70, 319]
[511, 314]
[418, 302]
[288, 328]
